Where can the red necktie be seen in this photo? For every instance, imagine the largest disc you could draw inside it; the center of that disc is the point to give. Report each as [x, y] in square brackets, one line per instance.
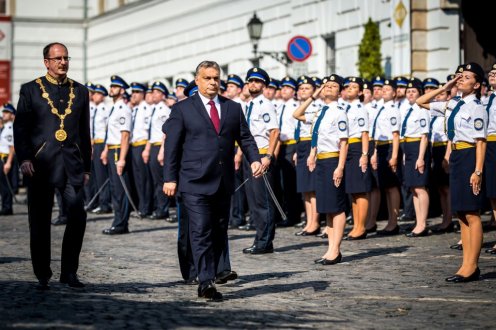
[214, 116]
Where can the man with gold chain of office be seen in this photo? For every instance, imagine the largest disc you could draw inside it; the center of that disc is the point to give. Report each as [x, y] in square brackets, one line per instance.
[53, 145]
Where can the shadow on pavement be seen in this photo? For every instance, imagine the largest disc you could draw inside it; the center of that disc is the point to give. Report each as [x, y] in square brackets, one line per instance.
[8, 260]
[375, 253]
[147, 230]
[318, 242]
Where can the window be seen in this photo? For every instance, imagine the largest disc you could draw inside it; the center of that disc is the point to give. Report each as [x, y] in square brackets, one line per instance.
[330, 41]
[3, 7]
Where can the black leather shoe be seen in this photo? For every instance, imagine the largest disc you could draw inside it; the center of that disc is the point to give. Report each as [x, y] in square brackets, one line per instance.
[171, 219]
[356, 238]
[440, 230]
[191, 281]
[462, 279]
[209, 291]
[101, 210]
[392, 232]
[6, 212]
[491, 250]
[42, 284]
[247, 227]
[405, 217]
[319, 261]
[334, 261]
[115, 231]
[157, 216]
[301, 224]
[248, 250]
[256, 250]
[71, 280]
[423, 233]
[323, 235]
[59, 221]
[225, 276]
[456, 246]
[371, 230]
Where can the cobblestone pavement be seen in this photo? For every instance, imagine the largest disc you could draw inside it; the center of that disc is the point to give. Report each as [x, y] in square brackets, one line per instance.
[133, 282]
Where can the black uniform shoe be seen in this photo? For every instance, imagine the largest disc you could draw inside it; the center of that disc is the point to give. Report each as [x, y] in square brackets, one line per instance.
[6, 212]
[308, 233]
[256, 250]
[115, 231]
[171, 219]
[462, 279]
[394, 231]
[42, 284]
[59, 221]
[248, 250]
[405, 217]
[72, 280]
[355, 238]
[491, 250]
[371, 230]
[101, 210]
[209, 291]
[157, 216]
[456, 246]
[334, 261]
[191, 281]
[424, 232]
[225, 276]
[323, 235]
[247, 227]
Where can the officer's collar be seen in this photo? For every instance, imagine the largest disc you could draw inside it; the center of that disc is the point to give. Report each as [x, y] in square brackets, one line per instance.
[468, 98]
[54, 81]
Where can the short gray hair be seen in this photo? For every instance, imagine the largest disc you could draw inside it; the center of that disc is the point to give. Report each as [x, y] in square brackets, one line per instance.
[206, 65]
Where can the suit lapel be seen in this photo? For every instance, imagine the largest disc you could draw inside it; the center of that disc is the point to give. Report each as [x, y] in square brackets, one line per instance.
[223, 112]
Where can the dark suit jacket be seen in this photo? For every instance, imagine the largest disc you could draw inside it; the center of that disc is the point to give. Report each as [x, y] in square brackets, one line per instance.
[34, 132]
[198, 158]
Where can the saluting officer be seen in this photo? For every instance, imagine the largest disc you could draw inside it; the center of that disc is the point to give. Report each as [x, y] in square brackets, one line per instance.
[160, 113]
[262, 121]
[115, 153]
[139, 138]
[7, 155]
[101, 170]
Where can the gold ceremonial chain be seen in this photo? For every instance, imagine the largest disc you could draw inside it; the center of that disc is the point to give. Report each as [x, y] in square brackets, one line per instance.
[60, 134]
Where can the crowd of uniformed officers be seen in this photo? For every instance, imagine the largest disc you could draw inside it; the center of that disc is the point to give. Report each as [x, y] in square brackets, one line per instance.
[334, 147]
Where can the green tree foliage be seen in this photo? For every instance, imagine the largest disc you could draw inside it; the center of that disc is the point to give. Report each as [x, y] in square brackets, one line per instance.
[369, 52]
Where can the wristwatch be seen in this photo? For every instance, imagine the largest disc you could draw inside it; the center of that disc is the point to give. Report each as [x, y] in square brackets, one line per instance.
[478, 173]
[269, 156]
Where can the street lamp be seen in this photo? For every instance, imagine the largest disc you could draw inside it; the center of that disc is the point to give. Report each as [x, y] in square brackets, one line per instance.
[255, 26]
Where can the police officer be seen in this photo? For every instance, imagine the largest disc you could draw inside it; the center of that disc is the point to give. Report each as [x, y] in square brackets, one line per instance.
[139, 138]
[160, 113]
[101, 171]
[466, 129]
[7, 155]
[414, 132]
[328, 158]
[287, 150]
[181, 84]
[387, 156]
[115, 154]
[171, 99]
[305, 180]
[262, 121]
[91, 188]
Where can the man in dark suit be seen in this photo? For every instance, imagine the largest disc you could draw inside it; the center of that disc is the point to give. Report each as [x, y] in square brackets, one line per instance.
[52, 142]
[199, 164]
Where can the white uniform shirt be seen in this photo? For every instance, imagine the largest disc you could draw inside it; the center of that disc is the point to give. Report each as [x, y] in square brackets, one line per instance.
[311, 114]
[92, 115]
[206, 102]
[358, 119]
[7, 137]
[119, 121]
[241, 102]
[470, 121]
[386, 122]
[417, 123]
[373, 109]
[100, 120]
[160, 114]
[491, 129]
[262, 119]
[141, 122]
[287, 123]
[332, 128]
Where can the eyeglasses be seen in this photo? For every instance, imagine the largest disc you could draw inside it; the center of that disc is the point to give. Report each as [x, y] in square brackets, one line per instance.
[59, 58]
[491, 74]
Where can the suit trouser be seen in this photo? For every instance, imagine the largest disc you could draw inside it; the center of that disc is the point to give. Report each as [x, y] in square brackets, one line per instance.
[208, 216]
[62, 205]
[143, 181]
[292, 200]
[120, 202]
[101, 174]
[40, 203]
[262, 208]
[157, 171]
[5, 192]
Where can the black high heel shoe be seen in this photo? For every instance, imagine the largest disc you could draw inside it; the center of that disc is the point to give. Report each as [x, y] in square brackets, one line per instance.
[334, 261]
[308, 233]
[456, 246]
[355, 238]
[423, 233]
[475, 276]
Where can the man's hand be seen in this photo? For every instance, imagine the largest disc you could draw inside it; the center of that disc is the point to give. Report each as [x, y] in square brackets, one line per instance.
[146, 156]
[170, 189]
[265, 163]
[103, 157]
[120, 166]
[6, 168]
[256, 169]
[86, 178]
[237, 161]
[27, 168]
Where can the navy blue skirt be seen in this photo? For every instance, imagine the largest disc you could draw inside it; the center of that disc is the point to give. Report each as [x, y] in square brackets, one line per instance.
[411, 176]
[330, 199]
[386, 178]
[356, 182]
[305, 180]
[439, 177]
[490, 170]
[462, 166]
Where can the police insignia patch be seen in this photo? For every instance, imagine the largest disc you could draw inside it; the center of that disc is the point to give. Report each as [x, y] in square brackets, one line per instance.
[266, 117]
[394, 121]
[423, 122]
[342, 126]
[9, 138]
[122, 120]
[478, 124]
[361, 122]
